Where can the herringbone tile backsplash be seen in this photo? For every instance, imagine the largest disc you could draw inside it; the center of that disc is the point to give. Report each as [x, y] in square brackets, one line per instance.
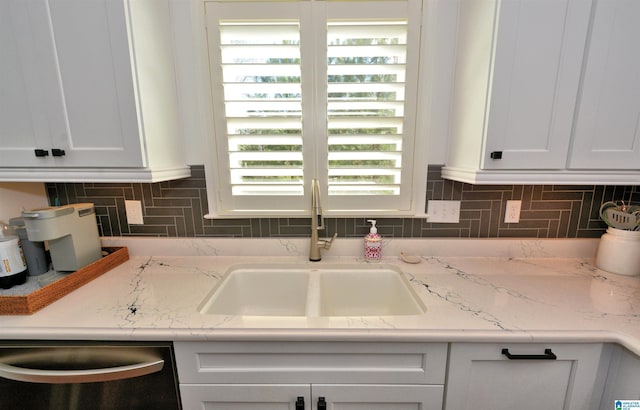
[175, 209]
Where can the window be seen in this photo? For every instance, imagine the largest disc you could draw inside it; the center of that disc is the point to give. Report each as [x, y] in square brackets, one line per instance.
[314, 89]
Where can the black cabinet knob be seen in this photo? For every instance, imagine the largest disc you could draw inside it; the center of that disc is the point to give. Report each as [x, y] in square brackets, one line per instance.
[496, 155]
[300, 403]
[41, 153]
[57, 152]
[322, 404]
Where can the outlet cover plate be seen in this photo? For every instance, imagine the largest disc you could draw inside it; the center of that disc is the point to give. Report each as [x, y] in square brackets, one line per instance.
[134, 212]
[443, 211]
[512, 212]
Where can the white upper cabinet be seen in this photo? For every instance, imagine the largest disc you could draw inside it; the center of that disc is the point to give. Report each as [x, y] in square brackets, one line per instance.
[607, 127]
[539, 86]
[88, 92]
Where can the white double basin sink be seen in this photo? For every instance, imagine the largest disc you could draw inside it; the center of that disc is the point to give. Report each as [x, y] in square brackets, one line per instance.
[308, 291]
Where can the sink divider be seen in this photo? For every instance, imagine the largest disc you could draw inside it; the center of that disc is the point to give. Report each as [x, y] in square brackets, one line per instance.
[313, 294]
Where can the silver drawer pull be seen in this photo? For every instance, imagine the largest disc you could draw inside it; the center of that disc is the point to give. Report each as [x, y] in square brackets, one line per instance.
[79, 376]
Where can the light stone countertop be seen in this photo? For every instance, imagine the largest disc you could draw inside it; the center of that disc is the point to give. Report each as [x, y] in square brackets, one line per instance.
[474, 290]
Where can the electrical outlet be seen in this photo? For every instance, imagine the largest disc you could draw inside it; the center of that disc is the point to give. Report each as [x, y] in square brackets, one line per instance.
[443, 211]
[134, 212]
[512, 212]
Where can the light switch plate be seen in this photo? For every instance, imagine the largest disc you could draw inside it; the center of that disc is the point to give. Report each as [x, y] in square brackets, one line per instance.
[134, 212]
[443, 211]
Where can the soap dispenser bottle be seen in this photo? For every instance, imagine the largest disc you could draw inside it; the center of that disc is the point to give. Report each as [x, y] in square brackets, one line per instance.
[372, 244]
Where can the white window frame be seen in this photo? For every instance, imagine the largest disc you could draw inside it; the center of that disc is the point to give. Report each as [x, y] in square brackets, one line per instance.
[301, 207]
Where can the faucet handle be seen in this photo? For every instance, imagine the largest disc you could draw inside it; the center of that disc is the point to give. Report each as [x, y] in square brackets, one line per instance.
[327, 243]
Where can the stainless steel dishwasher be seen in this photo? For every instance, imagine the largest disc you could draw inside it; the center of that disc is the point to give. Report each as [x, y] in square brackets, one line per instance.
[87, 375]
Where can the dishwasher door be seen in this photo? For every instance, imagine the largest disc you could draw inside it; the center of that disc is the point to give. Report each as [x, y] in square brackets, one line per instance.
[88, 375]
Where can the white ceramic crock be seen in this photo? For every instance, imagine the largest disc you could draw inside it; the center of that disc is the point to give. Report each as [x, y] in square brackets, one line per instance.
[619, 252]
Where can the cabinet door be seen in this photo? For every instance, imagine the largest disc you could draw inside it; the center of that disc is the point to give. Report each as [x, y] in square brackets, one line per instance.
[29, 98]
[96, 77]
[538, 52]
[243, 396]
[481, 377]
[607, 128]
[378, 397]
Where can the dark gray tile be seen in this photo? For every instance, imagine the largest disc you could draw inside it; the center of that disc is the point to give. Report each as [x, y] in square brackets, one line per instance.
[128, 193]
[518, 233]
[197, 217]
[197, 172]
[295, 231]
[247, 232]
[104, 227]
[159, 220]
[485, 224]
[204, 204]
[482, 196]
[253, 230]
[181, 229]
[180, 202]
[475, 205]
[163, 211]
[190, 230]
[545, 205]
[563, 225]
[188, 184]
[536, 195]
[181, 193]
[137, 192]
[114, 222]
[495, 219]
[122, 216]
[265, 227]
[540, 214]
[222, 231]
[561, 196]
[549, 210]
[574, 219]
[474, 229]
[148, 230]
[147, 195]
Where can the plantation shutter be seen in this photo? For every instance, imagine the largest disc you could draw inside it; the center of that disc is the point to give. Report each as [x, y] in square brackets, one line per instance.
[371, 82]
[321, 90]
[263, 106]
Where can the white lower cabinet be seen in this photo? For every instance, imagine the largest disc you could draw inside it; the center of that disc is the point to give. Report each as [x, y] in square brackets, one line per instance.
[311, 397]
[482, 376]
[623, 378]
[311, 375]
[398, 376]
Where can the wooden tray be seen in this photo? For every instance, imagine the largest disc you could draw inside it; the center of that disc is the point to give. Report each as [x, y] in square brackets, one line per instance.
[36, 300]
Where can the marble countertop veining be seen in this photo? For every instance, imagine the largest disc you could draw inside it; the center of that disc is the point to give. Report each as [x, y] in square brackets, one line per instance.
[513, 297]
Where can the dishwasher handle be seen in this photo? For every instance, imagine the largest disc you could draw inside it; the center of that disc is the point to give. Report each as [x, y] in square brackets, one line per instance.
[80, 376]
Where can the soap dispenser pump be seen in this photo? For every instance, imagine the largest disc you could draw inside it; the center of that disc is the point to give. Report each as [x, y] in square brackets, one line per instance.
[372, 244]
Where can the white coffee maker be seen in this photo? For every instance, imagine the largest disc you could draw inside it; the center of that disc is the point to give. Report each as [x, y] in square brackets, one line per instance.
[72, 233]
